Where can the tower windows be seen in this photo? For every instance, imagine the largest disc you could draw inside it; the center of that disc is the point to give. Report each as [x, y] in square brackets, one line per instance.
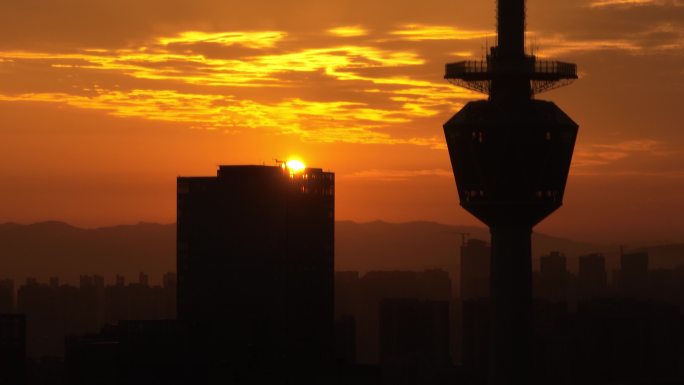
[478, 136]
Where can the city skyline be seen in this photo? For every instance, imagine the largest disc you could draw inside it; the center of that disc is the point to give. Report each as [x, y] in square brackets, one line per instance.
[383, 319]
[104, 105]
[301, 185]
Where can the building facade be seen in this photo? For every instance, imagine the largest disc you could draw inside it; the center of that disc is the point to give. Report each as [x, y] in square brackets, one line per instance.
[255, 260]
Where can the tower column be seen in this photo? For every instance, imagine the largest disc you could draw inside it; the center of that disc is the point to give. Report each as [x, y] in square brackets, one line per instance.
[511, 305]
[511, 28]
[509, 177]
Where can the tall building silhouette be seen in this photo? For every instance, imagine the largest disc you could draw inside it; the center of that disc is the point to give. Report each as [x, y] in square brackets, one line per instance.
[627, 341]
[139, 300]
[632, 279]
[12, 349]
[375, 286]
[345, 341]
[6, 296]
[255, 272]
[91, 303]
[131, 352]
[511, 156]
[475, 266]
[169, 284]
[592, 278]
[414, 340]
[554, 277]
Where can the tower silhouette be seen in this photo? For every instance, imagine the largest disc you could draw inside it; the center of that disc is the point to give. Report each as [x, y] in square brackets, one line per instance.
[510, 156]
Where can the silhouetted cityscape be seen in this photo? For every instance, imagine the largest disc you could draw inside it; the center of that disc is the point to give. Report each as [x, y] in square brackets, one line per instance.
[591, 325]
[256, 299]
[455, 225]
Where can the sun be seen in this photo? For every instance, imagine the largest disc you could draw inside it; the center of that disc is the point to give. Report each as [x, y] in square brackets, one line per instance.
[295, 166]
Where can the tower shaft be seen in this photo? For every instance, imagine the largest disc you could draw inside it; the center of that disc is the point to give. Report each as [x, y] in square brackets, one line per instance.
[509, 56]
[510, 350]
[511, 156]
[511, 28]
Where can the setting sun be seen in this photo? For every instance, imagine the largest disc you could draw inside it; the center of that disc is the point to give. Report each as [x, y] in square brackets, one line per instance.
[295, 166]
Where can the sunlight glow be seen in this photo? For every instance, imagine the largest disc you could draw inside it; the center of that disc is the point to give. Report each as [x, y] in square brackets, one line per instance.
[261, 39]
[419, 32]
[176, 78]
[608, 3]
[295, 166]
[348, 31]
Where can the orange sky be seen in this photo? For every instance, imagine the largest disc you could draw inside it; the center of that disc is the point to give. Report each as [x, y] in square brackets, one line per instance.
[103, 103]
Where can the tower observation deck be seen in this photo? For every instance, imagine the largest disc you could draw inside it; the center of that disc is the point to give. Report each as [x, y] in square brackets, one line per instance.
[544, 75]
[511, 156]
[508, 61]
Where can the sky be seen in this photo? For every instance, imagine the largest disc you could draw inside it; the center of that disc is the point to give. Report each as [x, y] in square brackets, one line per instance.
[104, 103]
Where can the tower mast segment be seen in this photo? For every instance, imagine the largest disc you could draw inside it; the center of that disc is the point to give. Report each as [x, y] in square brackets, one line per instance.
[507, 68]
[511, 156]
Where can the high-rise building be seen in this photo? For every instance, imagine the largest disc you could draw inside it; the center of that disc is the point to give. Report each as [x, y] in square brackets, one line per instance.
[12, 349]
[469, 337]
[345, 341]
[117, 301]
[592, 278]
[131, 352]
[91, 303]
[347, 293]
[633, 275]
[475, 270]
[414, 340]
[6, 296]
[44, 317]
[621, 340]
[255, 272]
[169, 295]
[433, 285]
[553, 277]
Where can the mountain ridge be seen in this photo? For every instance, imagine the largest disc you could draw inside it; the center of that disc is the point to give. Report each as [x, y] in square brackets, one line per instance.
[54, 248]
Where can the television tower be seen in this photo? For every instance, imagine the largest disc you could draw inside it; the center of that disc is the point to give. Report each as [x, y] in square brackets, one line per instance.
[511, 155]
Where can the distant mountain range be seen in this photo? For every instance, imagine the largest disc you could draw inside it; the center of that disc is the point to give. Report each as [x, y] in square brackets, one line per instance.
[59, 249]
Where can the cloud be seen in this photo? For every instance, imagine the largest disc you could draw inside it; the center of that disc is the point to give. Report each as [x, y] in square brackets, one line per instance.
[355, 82]
[629, 146]
[348, 31]
[658, 38]
[325, 122]
[155, 62]
[256, 40]
[174, 78]
[633, 3]
[559, 45]
[630, 157]
[387, 175]
[419, 32]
